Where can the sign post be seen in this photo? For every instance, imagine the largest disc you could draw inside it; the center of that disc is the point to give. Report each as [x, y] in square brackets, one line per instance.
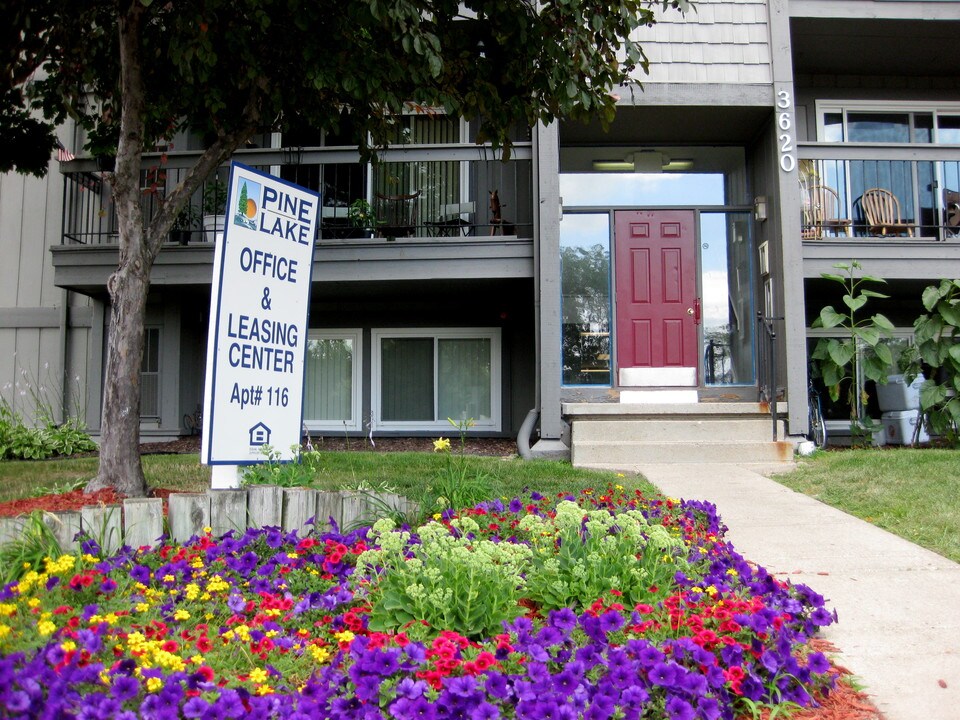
[259, 307]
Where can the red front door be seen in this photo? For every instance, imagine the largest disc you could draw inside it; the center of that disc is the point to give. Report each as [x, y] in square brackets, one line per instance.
[656, 294]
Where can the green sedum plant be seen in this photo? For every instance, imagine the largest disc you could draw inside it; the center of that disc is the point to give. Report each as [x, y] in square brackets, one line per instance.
[579, 556]
[451, 581]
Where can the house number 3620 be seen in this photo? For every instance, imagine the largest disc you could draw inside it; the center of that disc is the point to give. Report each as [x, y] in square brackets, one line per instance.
[788, 160]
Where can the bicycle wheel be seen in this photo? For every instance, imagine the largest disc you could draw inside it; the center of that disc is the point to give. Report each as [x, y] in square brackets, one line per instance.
[818, 429]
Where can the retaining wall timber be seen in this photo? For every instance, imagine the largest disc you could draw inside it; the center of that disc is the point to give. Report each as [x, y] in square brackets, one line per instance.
[140, 521]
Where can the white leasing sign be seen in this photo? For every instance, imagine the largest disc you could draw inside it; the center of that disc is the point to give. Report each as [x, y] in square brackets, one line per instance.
[259, 305]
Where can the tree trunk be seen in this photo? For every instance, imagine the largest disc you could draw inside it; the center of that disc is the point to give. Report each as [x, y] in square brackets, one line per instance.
[128, 287]
[120, 466]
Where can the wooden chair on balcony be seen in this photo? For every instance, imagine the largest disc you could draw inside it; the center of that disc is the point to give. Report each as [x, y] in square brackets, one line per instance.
[882, 212]
[951, 211]
[822, 213]
[396, 214]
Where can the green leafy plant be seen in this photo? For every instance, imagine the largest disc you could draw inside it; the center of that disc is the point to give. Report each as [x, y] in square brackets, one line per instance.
[300, 472]
[361, 214]
[36, 542]
[936, 334]
[215, 197]
[458, 485]
[580, 556]
[451, 581]
[20, 441]
[862, 354]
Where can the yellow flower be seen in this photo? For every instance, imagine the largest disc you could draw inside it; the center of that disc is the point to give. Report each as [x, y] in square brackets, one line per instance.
[441, 444]
[4, 630]
[320, 654]
[45, 627]
[33, 602]
[196, 659]
[258, 675]
[264, 690]
[68, 646]
[181, 614]
[344, 636]
[207, 529]
[154, 684]
[169, 578]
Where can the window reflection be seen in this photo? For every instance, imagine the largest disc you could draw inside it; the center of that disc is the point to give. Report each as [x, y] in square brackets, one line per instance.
[585, 285]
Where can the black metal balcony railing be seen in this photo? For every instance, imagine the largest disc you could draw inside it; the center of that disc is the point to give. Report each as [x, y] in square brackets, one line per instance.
[413, 191]
[922, 184]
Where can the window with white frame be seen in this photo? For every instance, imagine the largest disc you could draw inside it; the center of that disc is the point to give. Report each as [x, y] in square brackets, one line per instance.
[331, 385]
[421, 377]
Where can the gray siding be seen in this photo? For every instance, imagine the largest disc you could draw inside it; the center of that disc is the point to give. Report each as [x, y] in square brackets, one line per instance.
[717, 42]
[37, 352]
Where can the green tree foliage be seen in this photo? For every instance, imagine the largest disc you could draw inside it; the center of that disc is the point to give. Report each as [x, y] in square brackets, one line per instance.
[131, 72]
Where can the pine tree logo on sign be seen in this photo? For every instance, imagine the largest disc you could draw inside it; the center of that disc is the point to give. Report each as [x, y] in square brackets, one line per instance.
[249, 194]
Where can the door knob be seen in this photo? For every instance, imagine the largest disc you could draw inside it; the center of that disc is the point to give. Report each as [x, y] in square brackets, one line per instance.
[689, 311]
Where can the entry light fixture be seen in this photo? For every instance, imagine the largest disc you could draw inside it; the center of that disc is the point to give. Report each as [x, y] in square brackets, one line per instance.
[613, 165]
[643, 161]
[760, 208]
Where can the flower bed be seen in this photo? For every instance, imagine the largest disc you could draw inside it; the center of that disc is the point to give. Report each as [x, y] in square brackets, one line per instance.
[530, 609]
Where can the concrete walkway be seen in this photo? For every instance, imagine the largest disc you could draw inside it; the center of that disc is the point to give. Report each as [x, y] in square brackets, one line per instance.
[899, 605]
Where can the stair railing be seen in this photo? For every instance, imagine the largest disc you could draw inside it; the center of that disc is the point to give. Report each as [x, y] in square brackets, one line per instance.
[767, 365]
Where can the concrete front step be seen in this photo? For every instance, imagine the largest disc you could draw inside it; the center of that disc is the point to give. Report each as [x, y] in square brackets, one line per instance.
[672, 429]
[621, 454]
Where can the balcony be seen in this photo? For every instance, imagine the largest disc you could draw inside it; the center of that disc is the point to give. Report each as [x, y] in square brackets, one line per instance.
[913, 233]
[429, 204]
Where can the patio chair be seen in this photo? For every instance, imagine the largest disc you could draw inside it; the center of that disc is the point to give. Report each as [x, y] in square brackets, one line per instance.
[882, 212]
[452, 222]
[823, 213]
[396, 214]
[951, 211]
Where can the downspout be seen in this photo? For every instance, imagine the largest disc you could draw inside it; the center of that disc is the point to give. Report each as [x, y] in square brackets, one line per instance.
[523, 437]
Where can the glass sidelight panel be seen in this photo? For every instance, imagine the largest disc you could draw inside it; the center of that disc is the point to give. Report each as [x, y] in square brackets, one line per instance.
[585, 303]
[727, 298]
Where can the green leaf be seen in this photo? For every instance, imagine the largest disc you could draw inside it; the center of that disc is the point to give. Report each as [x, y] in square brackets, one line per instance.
[873, 294]
[884, 354]
[931, 296]
[881, 322]
[868, 335]
[872, 278]
[831, 318]
[931, 395]
[854, 303]
[842, 353]
[950, 313]
[954, 352]
[835, 278]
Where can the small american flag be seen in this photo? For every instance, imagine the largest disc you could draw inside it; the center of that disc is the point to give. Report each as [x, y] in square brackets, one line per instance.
[64, 155]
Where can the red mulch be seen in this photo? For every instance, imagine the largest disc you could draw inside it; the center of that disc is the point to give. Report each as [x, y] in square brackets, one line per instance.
[73, 500]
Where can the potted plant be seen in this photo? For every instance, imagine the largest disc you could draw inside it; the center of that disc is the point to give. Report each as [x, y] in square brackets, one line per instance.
[362, 216]
[214, 208]
[184, 224]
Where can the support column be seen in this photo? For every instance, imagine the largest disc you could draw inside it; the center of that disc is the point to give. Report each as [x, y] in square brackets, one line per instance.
[547, 289]
[791, 247]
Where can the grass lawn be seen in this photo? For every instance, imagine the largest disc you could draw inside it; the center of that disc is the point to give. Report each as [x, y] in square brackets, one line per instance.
[406, 472]
[914, 493]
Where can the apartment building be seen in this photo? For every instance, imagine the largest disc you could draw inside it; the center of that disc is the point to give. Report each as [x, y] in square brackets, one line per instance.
[650, 285]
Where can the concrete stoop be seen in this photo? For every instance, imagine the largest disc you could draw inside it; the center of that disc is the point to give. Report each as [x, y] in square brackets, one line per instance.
[618, 435]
